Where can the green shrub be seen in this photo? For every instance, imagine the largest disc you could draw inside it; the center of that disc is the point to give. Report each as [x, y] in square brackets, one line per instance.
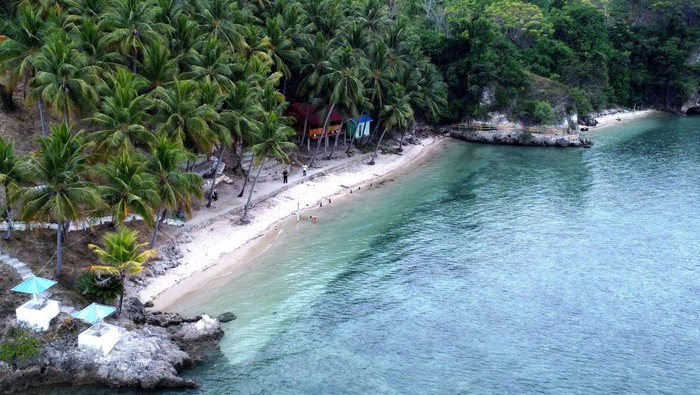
[100, 288]
[19, 346]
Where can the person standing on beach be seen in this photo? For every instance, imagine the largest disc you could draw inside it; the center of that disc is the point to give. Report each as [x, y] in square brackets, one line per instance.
[303, 170]
[285, 174]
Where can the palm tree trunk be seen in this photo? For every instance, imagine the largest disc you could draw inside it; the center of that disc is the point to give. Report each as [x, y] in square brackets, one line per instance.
[244, 218]
[121, 296]
[157, 225]
[10, 222]
[335, 143]
[374, 132]
[325, 131]
[371, 162]
[303, 133]
[59, 251]
[213, 180]
[250, 167]
[402, 135]
[41, 117]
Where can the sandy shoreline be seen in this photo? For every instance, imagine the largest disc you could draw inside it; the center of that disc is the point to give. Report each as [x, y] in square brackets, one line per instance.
[615, 118]
[225, 248]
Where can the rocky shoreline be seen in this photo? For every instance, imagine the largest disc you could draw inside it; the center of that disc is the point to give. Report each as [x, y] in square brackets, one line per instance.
[523, 138]
[154, 347]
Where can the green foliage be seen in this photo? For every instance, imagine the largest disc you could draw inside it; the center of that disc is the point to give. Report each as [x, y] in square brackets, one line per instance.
[98, 287]
[18, 346]
[536, 112]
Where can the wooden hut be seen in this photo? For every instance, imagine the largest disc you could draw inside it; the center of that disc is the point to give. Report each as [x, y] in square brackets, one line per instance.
[313, 117]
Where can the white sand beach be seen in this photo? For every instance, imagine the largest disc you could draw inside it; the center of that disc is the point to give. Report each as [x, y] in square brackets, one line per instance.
[616, 117]
[215, 243]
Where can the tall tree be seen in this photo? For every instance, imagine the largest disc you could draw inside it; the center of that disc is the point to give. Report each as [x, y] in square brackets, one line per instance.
[132, 27]
[12, 173]
[64, 78]
[121, 257]
[120, 121]
[63, 193]
[176, 187]
[396, 113]
[19, 50]
[274, 141]
[127, 187]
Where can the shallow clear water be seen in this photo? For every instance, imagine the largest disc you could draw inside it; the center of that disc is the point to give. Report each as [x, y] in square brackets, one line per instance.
[491, 269]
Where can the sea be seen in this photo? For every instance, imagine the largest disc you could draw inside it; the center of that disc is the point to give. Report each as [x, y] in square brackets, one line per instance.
[486, 270]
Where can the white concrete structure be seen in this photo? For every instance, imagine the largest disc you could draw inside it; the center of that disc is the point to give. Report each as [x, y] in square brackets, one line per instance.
[37, 314]
[101, 337]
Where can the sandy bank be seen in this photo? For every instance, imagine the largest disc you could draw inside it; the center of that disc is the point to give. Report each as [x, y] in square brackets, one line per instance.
[613, 118]
[224, 246]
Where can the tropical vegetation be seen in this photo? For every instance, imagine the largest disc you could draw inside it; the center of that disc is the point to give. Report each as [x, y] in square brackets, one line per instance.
[130, 93]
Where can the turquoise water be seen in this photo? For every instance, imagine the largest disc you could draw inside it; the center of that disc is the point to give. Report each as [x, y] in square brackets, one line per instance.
[489, 270]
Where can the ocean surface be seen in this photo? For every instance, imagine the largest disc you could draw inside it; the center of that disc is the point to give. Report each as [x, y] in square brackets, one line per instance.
[488, 270]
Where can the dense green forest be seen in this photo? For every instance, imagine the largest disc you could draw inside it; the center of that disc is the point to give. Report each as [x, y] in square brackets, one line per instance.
[528, 57]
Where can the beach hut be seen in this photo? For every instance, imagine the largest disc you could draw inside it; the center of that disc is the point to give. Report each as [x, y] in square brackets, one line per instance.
[39, 311]
[99, 336]
[313, 117]
[359, 127]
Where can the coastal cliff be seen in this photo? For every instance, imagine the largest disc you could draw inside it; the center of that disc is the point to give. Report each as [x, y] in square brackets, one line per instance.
[152, 349]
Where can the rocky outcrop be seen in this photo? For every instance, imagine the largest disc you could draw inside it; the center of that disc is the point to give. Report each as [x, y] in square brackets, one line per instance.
[692, 105]
[149, 354]
[521, 138]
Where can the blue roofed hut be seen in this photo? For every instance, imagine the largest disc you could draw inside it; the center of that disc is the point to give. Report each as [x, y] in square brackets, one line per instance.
[359, 128]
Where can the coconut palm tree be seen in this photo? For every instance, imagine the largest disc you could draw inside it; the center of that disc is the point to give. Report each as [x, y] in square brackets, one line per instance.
[243, 111]
[183, 39]
[345, 87]
[63, 194]
[225, 19]
[182, 115]
[176, 187]
[212, 60]
[396, 113]
[12, 173]
[127, 187]
[121, 117]
[132, 27]
[159, 68]
[274, 141]
[121, 257]
[64, 78]
[18, 52]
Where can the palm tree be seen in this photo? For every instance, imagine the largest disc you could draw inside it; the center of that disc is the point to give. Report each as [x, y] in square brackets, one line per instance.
[183, 39]
[64, 77]
[182, 115]
[87, 8]
[212, 60]
[121, 257]
[128, 187]
[225, 20]
[12, 173]
[345, 87]
[132, 27]
[159, 68]
[396, 113]
[18, 52]
[120, 120]
[242, 113]
[63, 194]
[176, 187]
[274, 140]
